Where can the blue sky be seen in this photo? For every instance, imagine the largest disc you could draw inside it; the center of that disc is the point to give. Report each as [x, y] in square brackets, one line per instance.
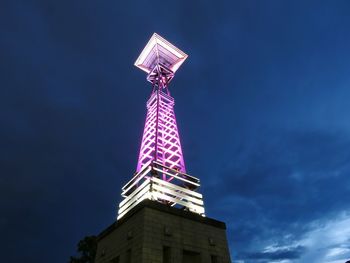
[262, 106]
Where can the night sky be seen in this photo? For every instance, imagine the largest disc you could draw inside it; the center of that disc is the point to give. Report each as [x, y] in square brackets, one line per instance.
[262, 104]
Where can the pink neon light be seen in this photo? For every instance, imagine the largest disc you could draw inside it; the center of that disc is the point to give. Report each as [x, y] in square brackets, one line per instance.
[161, 141]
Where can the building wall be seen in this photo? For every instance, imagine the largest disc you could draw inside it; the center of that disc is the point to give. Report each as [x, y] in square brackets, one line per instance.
[161, 236]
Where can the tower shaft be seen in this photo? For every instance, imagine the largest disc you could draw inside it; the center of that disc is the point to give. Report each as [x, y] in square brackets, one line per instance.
[161, 141]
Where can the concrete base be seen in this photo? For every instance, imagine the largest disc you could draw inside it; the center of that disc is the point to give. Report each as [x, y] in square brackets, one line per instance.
[155, 233]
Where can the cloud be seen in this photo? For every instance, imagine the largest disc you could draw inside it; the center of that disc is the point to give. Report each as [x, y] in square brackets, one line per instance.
[283, 191]
[276, 253]
[328, 241]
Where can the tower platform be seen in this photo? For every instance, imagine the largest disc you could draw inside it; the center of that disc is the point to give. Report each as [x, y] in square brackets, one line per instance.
[152, 232]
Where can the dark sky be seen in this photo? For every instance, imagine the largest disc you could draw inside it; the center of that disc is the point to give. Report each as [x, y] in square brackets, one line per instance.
[262, 105]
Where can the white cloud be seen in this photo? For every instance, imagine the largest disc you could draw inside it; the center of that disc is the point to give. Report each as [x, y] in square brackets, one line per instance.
[329, 242]
[337, 251]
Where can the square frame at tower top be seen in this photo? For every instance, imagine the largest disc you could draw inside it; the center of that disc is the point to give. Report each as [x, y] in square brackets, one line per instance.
[158, 50]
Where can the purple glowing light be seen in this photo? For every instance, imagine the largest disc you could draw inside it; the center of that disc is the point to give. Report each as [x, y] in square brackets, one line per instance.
[161, 141]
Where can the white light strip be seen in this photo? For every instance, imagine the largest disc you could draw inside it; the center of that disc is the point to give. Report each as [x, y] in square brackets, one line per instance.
[135, 204]
[173, 170]
[137, 180]
[177, 177]
[177, 194]
[134, 199]
[192, 207]
[134, 177]
[139, 188]
[175, 187]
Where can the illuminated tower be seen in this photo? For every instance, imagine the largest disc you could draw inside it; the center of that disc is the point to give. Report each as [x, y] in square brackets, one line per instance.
[161, 141]
[161, 217]
[161, 173]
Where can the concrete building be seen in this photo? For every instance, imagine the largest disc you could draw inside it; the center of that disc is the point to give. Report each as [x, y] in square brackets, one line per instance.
[156, 233]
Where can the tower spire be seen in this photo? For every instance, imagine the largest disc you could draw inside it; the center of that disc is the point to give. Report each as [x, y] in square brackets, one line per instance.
[160, 172]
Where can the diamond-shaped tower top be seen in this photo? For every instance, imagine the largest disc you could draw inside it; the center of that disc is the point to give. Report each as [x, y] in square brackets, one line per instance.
[158, 51]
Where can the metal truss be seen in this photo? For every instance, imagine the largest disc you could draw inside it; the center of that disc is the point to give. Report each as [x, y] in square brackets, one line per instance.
[161, 141]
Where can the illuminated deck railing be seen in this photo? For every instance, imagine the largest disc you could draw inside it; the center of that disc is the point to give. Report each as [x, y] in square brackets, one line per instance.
[146, 184]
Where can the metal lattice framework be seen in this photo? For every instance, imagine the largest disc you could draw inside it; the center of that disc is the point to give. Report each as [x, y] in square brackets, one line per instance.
[161, 141]
[161, 173]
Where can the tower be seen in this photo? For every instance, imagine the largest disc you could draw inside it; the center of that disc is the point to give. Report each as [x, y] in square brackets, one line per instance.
[161, 218]
[160, 172]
